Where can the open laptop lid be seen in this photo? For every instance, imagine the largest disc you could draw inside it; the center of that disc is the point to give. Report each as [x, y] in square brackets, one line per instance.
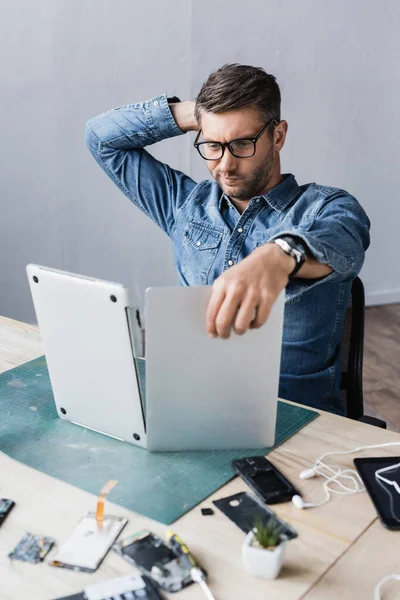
[84, 323]
[204, 393]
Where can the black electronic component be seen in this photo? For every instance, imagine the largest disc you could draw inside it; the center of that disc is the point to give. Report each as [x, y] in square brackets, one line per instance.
[264, 479]
[207, 511]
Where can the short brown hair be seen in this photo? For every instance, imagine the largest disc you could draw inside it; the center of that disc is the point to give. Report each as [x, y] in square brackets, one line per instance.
[235, 86]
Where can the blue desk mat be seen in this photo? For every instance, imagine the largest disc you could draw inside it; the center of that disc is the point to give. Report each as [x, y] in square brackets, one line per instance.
[162, 485]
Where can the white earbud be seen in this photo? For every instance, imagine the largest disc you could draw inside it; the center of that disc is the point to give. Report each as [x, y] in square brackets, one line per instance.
[298, 501]
[307, 474]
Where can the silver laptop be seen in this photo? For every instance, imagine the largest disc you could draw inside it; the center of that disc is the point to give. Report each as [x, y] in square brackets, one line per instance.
[201, 393]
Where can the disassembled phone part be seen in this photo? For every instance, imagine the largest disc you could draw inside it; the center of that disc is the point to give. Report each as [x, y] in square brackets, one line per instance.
[6, 507]
[32, 548]
[150, 554]
[91, 539]
[89, 543]
[245, 510]
[127, 587]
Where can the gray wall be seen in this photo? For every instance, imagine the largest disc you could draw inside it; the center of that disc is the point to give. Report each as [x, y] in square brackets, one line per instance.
[66, 60]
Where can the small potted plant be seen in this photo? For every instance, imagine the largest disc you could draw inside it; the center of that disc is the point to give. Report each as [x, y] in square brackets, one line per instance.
[264, 548]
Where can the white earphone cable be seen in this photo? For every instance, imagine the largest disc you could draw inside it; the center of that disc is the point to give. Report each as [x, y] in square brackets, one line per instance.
[334, 483]
[377, 593]
[338, 480]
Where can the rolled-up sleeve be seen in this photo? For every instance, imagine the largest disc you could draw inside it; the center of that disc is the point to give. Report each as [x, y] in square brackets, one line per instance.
[336, 234]
[117, 140]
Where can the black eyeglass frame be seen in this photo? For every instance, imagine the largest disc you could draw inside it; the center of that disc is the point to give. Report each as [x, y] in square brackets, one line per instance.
[224, 145]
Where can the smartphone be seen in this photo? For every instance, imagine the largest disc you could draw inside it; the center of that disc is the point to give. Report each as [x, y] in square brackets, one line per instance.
[151, 555]
[266, 481]
[381, 477]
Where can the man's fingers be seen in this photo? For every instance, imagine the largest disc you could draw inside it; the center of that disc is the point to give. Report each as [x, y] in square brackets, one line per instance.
[246, 314]
[263, 310]
[226, 315]
[214, 304]
[234, 308]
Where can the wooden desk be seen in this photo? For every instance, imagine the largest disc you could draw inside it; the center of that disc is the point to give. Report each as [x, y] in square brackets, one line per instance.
[342, 550]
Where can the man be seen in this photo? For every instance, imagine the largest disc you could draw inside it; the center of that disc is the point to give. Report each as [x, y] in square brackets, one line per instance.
[253, 231]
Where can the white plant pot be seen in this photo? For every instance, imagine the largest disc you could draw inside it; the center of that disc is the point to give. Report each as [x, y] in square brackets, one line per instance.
[262, 562]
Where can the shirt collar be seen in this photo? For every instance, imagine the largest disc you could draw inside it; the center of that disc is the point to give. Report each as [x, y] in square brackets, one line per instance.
[280, 196]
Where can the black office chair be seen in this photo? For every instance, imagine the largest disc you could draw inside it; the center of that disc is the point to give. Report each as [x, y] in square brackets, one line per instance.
[351, 388]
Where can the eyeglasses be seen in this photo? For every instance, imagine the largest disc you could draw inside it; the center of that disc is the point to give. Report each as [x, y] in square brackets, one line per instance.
[241, 147]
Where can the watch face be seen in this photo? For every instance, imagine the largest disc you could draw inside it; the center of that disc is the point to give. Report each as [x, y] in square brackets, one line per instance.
[284, 245]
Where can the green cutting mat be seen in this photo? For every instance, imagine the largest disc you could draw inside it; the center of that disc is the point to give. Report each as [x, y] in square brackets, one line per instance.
[162, 485]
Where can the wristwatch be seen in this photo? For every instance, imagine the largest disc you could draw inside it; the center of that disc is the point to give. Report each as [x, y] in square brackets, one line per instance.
[295, 248]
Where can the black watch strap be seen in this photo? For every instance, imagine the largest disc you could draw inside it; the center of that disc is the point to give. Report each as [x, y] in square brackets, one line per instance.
[294, 247]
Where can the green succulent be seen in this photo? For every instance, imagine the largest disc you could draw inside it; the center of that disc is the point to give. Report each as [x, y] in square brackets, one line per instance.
[267, 533]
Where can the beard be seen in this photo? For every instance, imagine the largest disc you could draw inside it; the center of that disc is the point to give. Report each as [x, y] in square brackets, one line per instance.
[250, 186]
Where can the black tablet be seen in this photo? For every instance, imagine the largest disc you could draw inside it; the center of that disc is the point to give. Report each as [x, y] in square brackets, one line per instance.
[381, 477]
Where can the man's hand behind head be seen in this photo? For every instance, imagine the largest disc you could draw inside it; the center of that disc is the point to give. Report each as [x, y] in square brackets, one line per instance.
[183, 113]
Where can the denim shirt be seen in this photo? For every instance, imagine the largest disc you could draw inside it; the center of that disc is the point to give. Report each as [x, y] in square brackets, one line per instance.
[209, 236]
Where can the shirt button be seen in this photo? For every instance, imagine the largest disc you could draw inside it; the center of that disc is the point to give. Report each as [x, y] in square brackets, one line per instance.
[258, 200]
[240, 230]
[230, 262]
[198, 243]
[155, 103]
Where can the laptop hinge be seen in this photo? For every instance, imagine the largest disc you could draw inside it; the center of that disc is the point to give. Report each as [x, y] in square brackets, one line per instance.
[128, 314]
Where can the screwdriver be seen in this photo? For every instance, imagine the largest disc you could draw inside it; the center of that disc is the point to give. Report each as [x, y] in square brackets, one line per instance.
[196, 572]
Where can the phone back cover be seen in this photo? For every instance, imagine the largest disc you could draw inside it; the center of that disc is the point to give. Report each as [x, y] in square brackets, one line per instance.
[245, 510]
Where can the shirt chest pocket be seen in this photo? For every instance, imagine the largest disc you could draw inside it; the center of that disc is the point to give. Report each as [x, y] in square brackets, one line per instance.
[200, 247]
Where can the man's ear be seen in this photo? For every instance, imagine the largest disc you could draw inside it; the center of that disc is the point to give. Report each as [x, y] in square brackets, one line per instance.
[280, 133]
